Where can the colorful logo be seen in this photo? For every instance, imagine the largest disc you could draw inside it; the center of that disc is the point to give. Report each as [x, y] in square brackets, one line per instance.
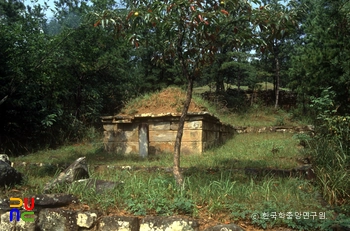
[22, 215]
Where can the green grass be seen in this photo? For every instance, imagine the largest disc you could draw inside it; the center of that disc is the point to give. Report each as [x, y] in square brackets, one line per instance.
[256, 115]
[254, 150]
[224, 194]
[216, 185]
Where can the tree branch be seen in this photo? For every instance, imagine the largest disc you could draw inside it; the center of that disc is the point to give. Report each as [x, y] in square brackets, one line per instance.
[3, 100]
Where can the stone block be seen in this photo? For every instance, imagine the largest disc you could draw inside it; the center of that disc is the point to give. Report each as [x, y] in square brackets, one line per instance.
[57, 220]
[159, 126]
[127, 126]
[192, 125]
[123, 136]
[174, 126]
[207, 125]
[208, 144]
[86, 219]
[109, 127]
[108, 136]
[126, 147]
[117, 223]
[160, 147]
[227, 227]
[187, 147]
[25, 226]
[168, 224]
[120, 136]
[211, 136]
[5, 223]
[169, 136]
[263, 130]
[191, 147]
[195, 118]
[189, 125]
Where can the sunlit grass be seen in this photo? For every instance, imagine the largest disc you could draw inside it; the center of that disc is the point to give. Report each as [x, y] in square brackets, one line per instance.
[243, 150]
[250, 150]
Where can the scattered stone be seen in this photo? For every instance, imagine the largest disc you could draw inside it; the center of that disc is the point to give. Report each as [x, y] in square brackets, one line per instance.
[54, 200]
[8, 175]
[5, 223]
[86, 219]
[119, 223]
[228, 227]
[169, 224]
[58, 219]
[98, 185]
[26, 226]
[265, 129]
[5, 158]
[306, 171]
[76, 171]
[4, 204]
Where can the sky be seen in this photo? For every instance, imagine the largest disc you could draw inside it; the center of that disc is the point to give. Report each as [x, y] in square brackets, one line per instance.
[50, 3]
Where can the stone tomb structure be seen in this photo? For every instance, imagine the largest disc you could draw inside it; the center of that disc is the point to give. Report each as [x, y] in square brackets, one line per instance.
[155, 133]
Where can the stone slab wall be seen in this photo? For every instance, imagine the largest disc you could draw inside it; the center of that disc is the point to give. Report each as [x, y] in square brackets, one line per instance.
[309, 129]
[56, 219]
[200, 132]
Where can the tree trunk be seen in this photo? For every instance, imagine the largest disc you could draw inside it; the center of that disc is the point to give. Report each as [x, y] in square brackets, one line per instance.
[239, 80]
[219, 84]
[277, 85]
[176, 169]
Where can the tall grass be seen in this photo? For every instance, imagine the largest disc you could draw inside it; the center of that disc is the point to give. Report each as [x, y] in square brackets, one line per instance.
[332, 169]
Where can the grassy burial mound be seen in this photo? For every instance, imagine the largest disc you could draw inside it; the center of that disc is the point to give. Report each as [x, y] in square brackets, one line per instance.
[168, 100]
[161, 112]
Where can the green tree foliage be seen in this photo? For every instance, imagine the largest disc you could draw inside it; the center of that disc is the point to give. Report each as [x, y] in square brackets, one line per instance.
[331, 149]
[238, 69]
[277, 21]
[55, 84]
[320, 73]
[321, 56]
[22, 43]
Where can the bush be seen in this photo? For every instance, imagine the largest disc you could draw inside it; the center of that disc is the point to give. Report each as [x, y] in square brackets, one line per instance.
[330, 149]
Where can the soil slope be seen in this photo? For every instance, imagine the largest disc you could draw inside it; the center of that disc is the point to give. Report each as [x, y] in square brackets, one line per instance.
[168, 100]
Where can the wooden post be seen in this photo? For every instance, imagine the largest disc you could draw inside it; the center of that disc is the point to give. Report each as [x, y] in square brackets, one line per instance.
[143, 140]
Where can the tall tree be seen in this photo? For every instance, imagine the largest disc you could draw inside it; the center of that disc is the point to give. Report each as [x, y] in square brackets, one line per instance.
[277, 22]
[321, 57]
[194, 30]
[54, 85]
[22, 45]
